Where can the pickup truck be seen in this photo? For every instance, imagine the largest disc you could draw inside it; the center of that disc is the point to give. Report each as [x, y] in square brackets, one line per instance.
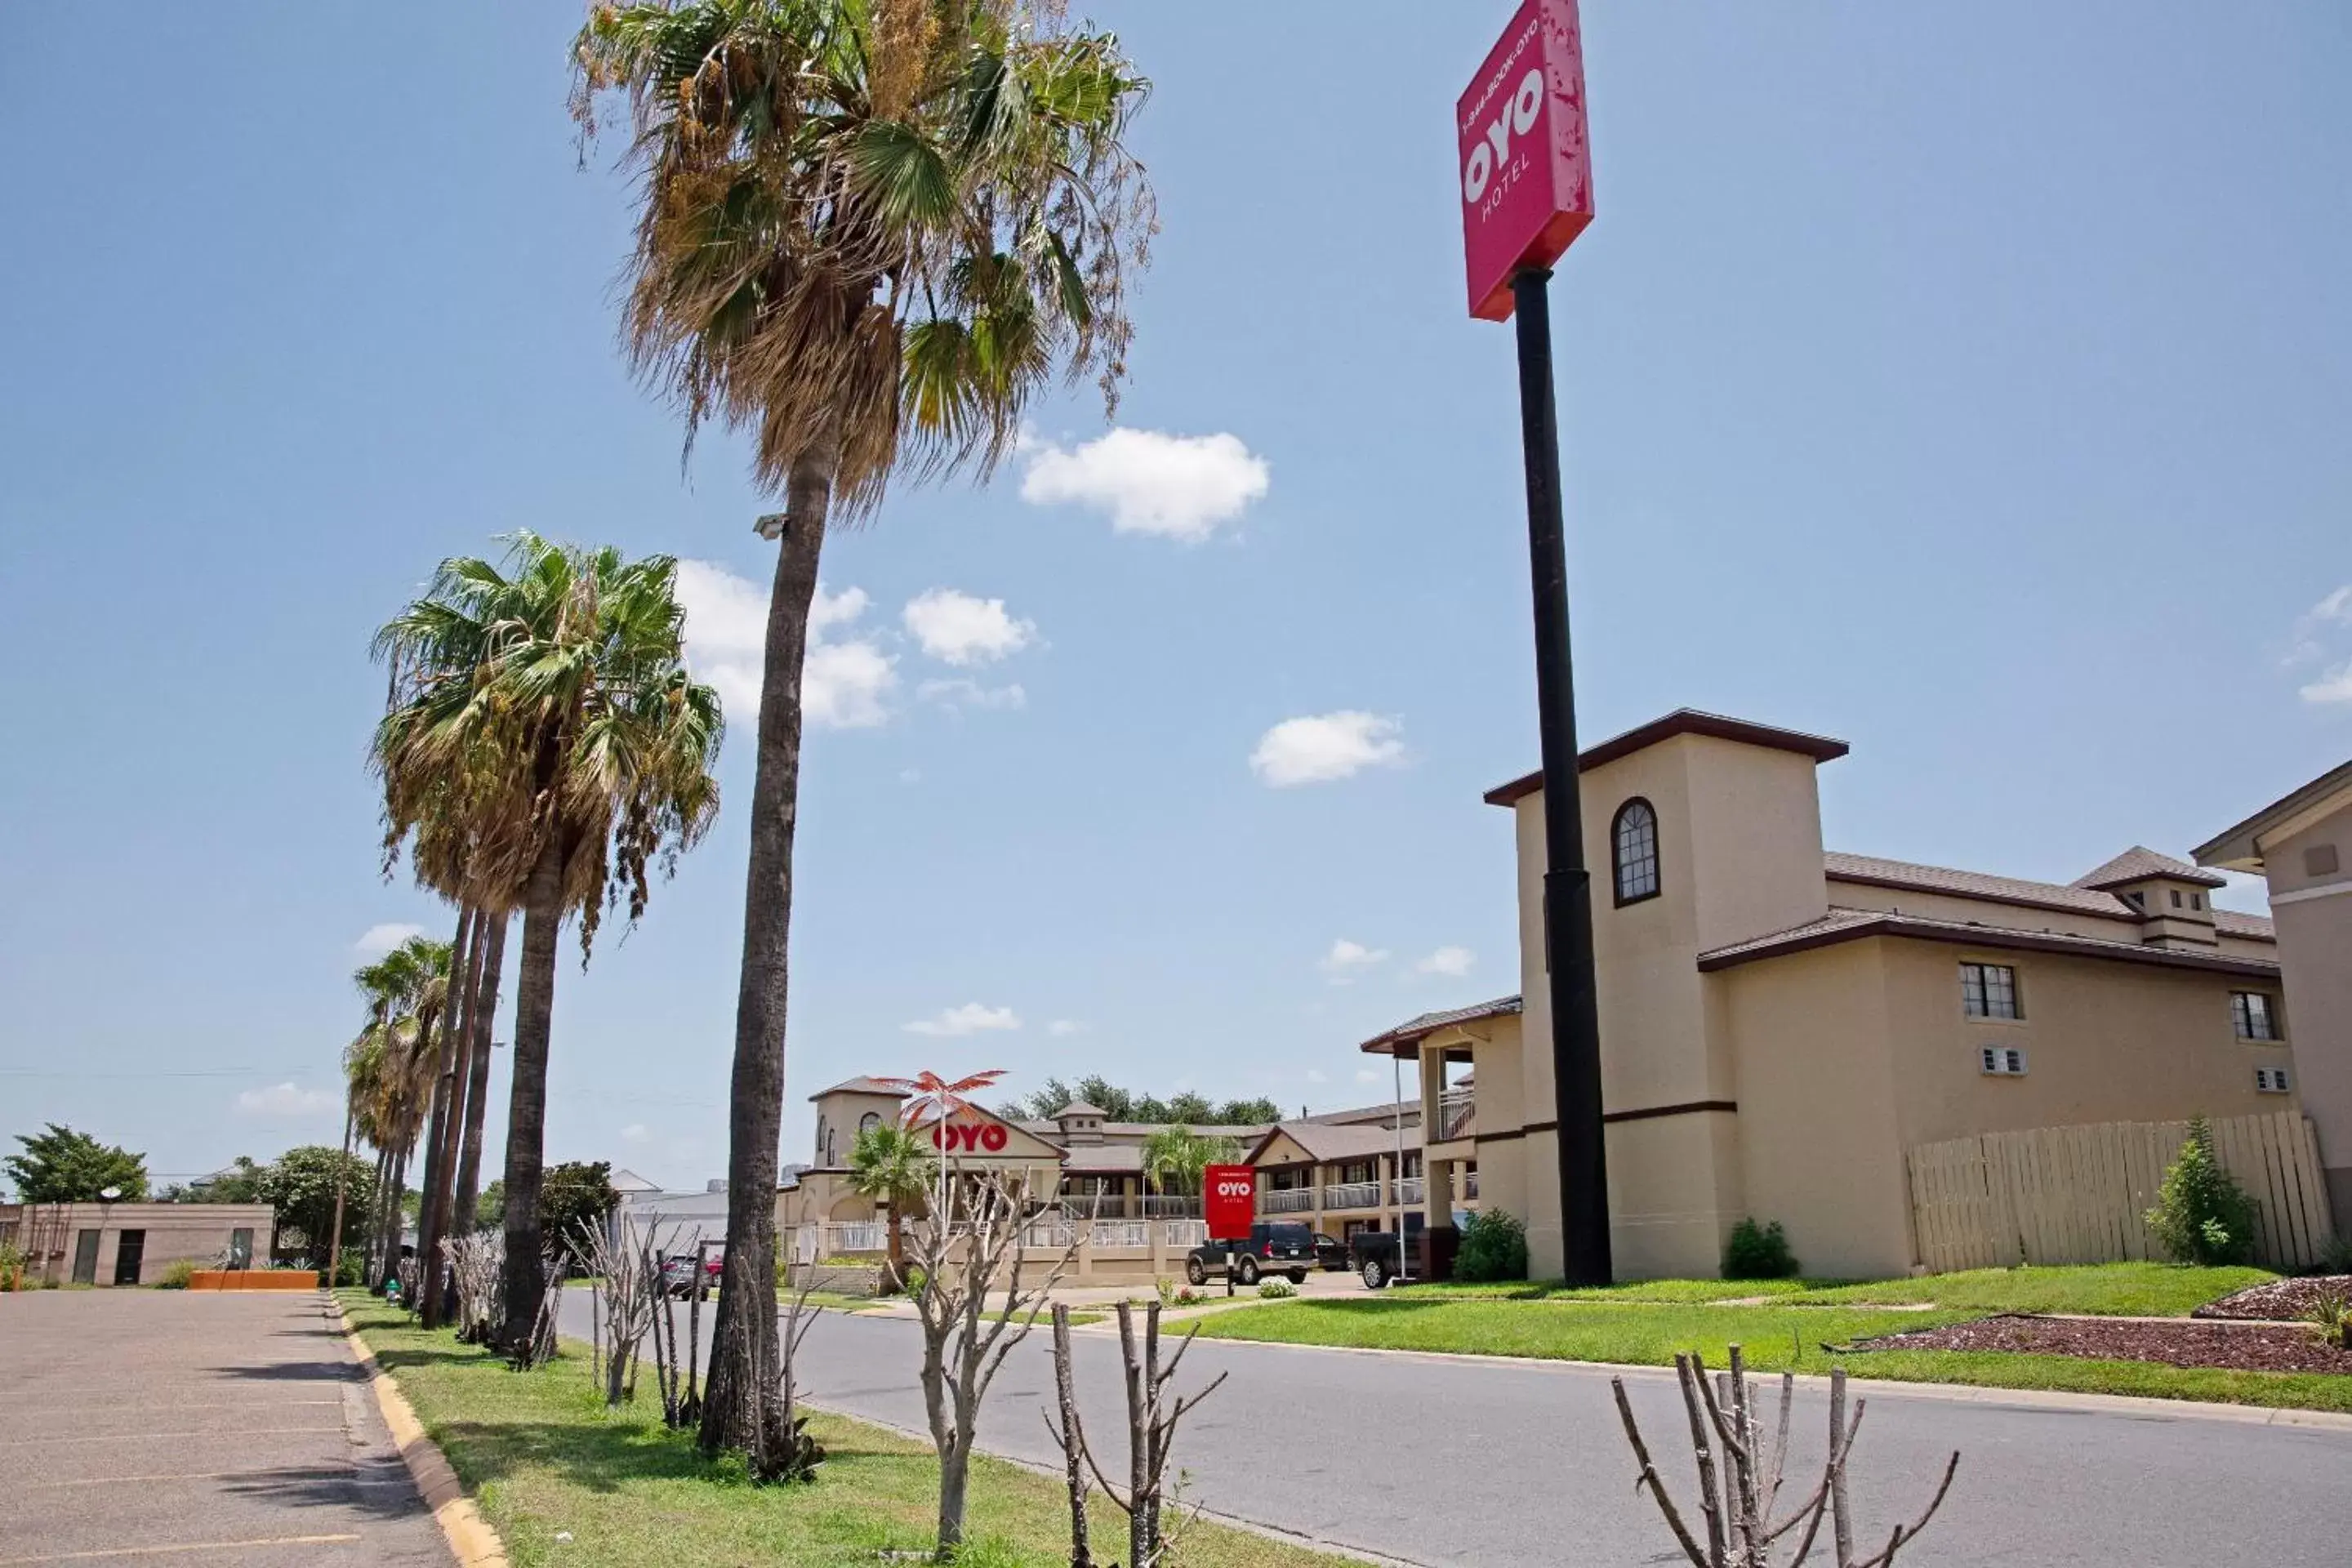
[1373, 1255]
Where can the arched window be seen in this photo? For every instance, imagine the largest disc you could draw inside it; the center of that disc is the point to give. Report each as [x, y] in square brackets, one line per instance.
[1633, 849]
[869, 1122]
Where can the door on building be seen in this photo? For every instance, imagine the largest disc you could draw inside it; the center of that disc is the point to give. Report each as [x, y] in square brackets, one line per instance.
[129, 1252]
[240, 1248]
[85, 1268]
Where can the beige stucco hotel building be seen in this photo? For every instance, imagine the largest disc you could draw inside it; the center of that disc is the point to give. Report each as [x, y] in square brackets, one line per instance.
[1781, 1024]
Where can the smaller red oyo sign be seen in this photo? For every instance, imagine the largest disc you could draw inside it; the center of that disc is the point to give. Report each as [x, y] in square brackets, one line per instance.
[1526, 164]
[975, 1137]
[1229, 1196]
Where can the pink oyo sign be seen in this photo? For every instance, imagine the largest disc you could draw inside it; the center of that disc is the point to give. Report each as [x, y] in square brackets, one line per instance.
[1527, 167]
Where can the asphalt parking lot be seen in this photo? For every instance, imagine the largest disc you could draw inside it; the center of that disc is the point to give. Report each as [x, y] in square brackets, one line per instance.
[171, 1426]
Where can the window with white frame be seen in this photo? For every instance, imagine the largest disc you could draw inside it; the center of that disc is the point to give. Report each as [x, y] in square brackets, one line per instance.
[1990, 991]
[2254, 1016]
[2271, 1080]
[2002, 1061]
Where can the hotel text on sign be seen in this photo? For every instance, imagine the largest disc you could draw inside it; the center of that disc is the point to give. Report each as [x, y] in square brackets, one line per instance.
[1526, 165]
[1229, 1201]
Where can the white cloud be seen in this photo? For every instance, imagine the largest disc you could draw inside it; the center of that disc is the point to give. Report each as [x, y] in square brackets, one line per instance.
[2336, 686]
[971, 1018]
[636, 1133]
[379, 940]
[961, 629]
[1368, 1074]
[1326, 746]
[846, 683]
[1348, 959]
[963, 693]
[1316, 1075]
[1179, 487]
[284, 1099]
[911, 775]
[1451, 962]
[1063, 1028]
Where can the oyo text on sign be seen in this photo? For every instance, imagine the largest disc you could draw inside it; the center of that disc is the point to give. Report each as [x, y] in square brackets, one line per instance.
[1526, 173]
[1229, 1201]
[979, 1137]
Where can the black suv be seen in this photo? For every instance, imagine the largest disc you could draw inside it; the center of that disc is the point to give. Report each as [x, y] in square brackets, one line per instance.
[1285, 1248]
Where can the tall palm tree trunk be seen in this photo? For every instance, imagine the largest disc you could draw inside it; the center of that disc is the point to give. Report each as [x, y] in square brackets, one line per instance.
[458, 1044]
[526, 1278]
[742, 1408]
[374, 1246]
[342, 1170]
[478, 1092]
[388, 1262]
[428, 1258]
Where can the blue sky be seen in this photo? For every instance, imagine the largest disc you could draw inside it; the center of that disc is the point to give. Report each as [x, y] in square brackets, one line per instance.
[1968, 382]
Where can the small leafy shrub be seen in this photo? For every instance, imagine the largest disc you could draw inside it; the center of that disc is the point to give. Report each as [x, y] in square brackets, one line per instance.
[2335, 1255]
[2201, 1214]
[2330, 1316]
[1276, 1290]
[176, 1274]
[12, 1267]
[1494, 1247]
[1758, 1252]
[1165, 1289]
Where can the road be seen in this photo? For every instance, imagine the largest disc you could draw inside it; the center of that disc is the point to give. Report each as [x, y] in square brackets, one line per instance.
[183, 1427]
[1445, 1461]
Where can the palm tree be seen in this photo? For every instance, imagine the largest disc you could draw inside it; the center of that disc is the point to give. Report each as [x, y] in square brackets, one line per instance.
[1175, 1157]
[389, 1068]
[542, 733]
[872, 231]
[892, 1165]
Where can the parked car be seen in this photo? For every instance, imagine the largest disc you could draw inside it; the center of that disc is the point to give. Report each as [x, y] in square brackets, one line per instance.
[1376, 1259]
[1331, 1253]
[677, 1271]
[1280, 1249]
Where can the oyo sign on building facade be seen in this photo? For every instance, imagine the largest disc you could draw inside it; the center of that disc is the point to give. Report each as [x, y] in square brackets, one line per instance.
[1526, 165]
[972, 1137]
[1229, 1196]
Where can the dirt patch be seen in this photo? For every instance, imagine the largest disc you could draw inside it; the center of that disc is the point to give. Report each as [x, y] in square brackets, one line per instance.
[2280, 1300]
[2231, 1346]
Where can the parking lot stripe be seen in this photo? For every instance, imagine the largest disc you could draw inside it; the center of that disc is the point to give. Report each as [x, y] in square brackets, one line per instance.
[183, 1548]
[135, 1437]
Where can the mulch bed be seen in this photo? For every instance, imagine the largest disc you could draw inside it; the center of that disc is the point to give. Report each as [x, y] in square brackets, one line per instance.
[2241, 1348]
[2281, 1299]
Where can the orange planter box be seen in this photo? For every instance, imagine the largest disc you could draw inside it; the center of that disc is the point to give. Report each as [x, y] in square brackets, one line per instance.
[253, 1279]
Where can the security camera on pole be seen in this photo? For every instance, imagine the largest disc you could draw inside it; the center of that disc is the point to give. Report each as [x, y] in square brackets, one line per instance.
[1526, 194]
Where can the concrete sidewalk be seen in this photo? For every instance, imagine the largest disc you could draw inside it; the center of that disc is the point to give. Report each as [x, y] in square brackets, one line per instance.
[165, 1427]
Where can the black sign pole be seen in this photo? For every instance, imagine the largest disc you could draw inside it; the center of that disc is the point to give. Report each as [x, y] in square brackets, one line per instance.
[1568, 885]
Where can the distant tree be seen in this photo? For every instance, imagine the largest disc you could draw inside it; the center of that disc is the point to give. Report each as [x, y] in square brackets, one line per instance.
[299, 1189]
[240, 1184]
[1125, 1105]
[573, 1194]
[490, 1208]
[1188, 1107]
[1116, 1103]
[1247, 1113]
[63, 1166]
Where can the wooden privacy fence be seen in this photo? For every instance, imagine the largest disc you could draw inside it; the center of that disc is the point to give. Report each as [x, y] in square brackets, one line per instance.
[2077, 1195]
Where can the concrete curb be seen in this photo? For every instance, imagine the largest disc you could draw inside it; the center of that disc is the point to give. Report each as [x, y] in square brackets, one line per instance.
[1883, 1388]
[471, 1540]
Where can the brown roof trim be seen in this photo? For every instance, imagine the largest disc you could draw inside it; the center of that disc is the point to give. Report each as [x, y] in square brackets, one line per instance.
[2121, 913]
[1412, 1031]
[2220, 849]
[1689, 1107]
[1828, 933]
[1681, 721]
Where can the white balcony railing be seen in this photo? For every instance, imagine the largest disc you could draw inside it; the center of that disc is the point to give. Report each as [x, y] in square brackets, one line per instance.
[1180, 1205]
[1457, 1115]
[1352, 1196]
[1409, 1189]
[1286, 1200]
[1184, 1232]
[1134, 1233]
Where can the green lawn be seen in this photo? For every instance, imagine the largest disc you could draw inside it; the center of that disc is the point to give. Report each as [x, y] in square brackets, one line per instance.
[539, 1454]
[2127, 1290]
[1665, 1290]
[1774, 1336]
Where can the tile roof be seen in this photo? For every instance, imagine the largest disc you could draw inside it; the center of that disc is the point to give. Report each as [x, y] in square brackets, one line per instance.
[1080, 1108]
[1427, 1023]
[1847, 925]
[1325, 1141]
[1876, 872]
[2229, 923]
[2139, 863]
[1681, 721]
[861, 1085]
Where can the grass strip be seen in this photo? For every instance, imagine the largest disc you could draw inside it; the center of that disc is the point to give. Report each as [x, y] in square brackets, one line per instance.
[1773, 1338]
[2125, 1289]
[540, 1454]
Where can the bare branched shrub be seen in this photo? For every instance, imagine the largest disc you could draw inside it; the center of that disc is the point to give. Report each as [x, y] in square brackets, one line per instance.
[1154, 1515]
[538, 1347]
[622, 1306]
[477, 1265]
[1740, 1475]
[968, 1247]
[800, 1453]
